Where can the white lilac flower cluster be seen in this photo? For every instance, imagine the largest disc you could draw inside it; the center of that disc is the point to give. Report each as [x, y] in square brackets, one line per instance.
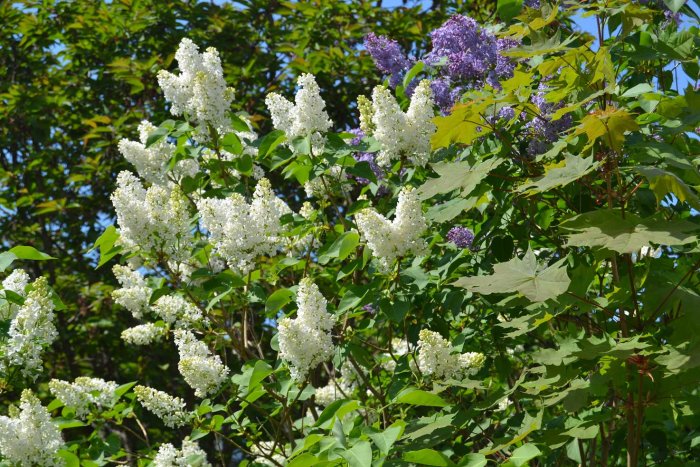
[400, 134]
[134, 294]
[389, 240]
[200, 90]
[153, 219]
[31, 330]
[143, 334]
[28, 436]
[203, 371]
[152, 163]
[305, 117]
[177, 312]
[306, 341]
[17, 283]
[333, 391]
[191, 455]
[267, 450]
[171, 410]
[239, 231]
[437, 358]
[83, 393]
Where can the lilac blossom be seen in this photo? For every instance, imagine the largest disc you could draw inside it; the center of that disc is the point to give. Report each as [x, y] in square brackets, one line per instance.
[469, 50]
[504, 65]
[506, 113]
[671, 18]
[445, 93]
[388, 57]
[463, 56]
[466, 56]
[543, 129]
[462, 237]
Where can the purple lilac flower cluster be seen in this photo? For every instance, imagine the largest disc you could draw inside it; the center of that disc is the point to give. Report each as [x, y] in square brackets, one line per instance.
[463, 56]
[466, 56]
[369, 308]
[543, 129]
[365, 157]
[462, 237]
[388, 57]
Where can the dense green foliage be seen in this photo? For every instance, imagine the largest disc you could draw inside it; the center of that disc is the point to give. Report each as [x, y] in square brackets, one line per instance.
[580, 287]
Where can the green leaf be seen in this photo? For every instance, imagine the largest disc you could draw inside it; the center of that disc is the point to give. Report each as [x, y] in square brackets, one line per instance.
[29, 252]
[277, 300]
[463, 125]
[604, 68]
[65, 423]
[662, 183]
[336, 409]
[302, 145]
[508, 9]
[69, 459]
[448, 210]
[270, 142]
[344, 245]
[122, 389]
[6, 259]
[675, 5]
[523, 454]
[303, 460]
[261, 370]
[157, 135]
[419, 397]
[352, 298]
[386, 439]
[457, 175]
[529, 425]
[609, 230]
[429, 426]
[638, 90]
[559, 174]
[541, 46]
[473, 460]
[196, 460]
[412, 73]
[238, 123]
[428, 457]
[105, 243]
[55, 404]
[524, 276]
[362, 169]
[609, 125]
[232, 143]
[360, 455]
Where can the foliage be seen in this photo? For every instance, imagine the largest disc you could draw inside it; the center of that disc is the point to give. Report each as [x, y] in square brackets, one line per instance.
[324, 333]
